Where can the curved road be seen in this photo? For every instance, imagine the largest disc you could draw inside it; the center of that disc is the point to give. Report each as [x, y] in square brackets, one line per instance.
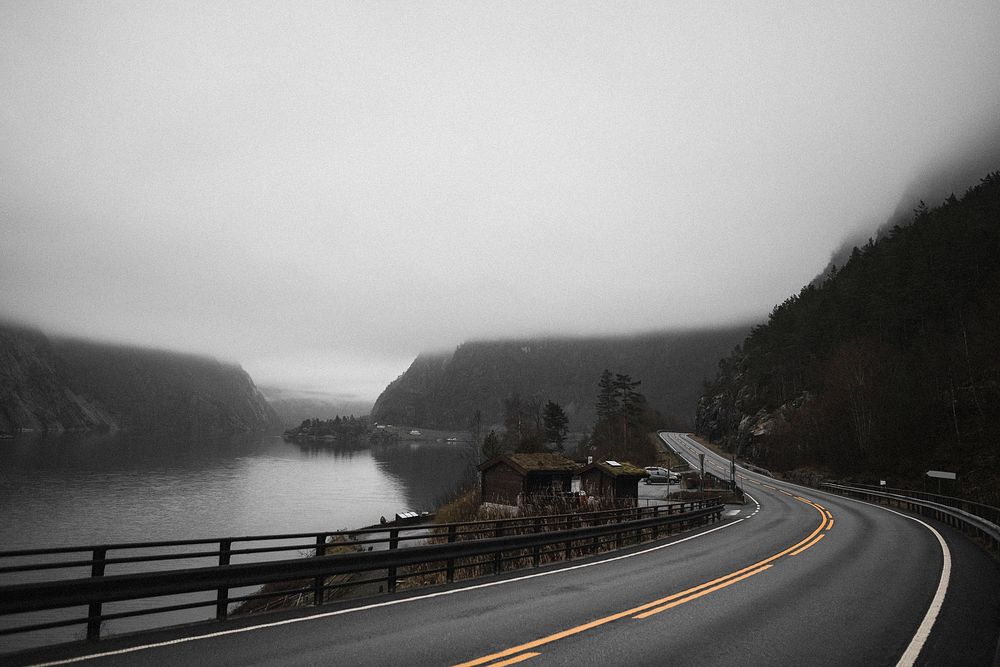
[795, 577]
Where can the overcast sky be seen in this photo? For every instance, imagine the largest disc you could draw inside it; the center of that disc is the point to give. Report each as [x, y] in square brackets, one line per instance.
[320, 191]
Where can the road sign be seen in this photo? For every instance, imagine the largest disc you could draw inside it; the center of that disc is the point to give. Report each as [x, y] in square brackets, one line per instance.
[940, 474]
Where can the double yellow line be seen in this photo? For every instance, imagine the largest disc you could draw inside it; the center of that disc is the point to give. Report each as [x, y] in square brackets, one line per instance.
[524, 652]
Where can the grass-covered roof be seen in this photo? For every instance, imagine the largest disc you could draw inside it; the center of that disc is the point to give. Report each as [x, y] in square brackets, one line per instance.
[623, 469]
[541, 462]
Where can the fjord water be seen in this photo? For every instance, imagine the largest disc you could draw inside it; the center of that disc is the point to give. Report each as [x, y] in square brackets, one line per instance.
[118, 488]
[96, 489]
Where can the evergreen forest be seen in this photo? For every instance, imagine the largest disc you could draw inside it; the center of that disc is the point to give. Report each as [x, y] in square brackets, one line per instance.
[888, 367]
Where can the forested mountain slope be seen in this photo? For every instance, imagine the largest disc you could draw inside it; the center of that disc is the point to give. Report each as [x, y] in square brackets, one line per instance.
[157, 389]
[445, 390]
[70, 385]
[887, 368]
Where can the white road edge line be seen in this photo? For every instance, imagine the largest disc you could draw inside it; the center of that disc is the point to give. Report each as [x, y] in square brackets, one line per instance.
[912, 652]
[924, 631]
[909, 656]
[388, 603]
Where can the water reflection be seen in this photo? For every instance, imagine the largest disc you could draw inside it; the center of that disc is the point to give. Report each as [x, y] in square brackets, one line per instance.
[114, 488]
[103, 488]
[429, 472]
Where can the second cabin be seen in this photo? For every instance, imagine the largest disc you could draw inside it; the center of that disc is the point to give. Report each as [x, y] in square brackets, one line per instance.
[612, 480]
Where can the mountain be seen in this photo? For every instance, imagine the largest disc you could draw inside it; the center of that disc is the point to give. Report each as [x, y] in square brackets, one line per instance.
[35, 390]
[888, 367]
[936, 183]
[70, 385]
[293, 406]
[445, 390]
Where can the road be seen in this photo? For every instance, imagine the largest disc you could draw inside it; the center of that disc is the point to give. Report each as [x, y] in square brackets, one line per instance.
[794, 577]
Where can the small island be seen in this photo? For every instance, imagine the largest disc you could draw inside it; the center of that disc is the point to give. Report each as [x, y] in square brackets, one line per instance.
[340, 431]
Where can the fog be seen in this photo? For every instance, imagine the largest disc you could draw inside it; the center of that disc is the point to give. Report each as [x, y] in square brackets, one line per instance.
[320, 191]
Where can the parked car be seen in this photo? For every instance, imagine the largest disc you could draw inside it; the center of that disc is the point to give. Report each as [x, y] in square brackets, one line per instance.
[659, 475]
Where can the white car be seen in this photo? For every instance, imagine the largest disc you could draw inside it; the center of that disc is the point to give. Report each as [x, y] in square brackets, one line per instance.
[658, 475]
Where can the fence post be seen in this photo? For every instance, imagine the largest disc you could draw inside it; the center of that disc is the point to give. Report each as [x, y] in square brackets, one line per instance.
[94, 608]
[498, 558]
[222, 594]
[569, 543]
[536, 551]
[656, 526]
[618, 535]
[391, 575]
[319, 594]
[450, 563]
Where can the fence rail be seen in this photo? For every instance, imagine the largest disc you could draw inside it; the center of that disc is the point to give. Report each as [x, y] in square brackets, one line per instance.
[968, 522]
[988, 512]
[444, 549]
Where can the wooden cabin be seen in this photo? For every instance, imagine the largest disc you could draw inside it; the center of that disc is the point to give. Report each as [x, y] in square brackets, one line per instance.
[614, 480]
[509, 479]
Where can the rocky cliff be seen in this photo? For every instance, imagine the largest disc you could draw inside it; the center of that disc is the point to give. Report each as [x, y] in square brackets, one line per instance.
[35, 391]
[70, 385]
[445, 390]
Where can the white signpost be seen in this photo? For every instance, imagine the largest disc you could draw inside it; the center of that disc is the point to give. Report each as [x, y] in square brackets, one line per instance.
[941, 474]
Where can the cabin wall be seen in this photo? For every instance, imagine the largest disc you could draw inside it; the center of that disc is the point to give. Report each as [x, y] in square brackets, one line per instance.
[501, 484]
[545, 483]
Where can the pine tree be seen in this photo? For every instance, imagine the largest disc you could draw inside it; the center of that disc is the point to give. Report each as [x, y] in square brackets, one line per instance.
[556, 424]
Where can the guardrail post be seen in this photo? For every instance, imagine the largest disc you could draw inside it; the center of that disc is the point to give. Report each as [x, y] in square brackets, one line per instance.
[498, 558]
[222, 594]
[319, 593]
[536, 551]
[618, 535]
[656, 526]
[94, 608]
[391, 574]
[450, 563]
[569, 543]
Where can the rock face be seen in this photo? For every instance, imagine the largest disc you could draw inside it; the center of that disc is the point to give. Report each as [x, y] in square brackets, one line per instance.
[445, 390]
[35, 392]
[69, 385]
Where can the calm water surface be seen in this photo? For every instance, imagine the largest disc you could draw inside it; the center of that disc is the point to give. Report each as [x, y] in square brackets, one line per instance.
[126, 487]
[86, 490]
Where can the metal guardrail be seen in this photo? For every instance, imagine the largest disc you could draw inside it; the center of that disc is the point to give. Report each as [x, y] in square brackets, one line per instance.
[522, 541]
[971, 524]
[988, 512]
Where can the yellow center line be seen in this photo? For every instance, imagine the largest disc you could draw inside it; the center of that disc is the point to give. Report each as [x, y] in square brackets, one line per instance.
[663, 603]
[677, 603]
[818, 538]
[515, 660]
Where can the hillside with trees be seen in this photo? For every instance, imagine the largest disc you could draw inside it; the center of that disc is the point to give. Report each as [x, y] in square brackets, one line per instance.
[446, 390]
[886, 368]
[623, 423]
[55, 385]
[148, 389]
